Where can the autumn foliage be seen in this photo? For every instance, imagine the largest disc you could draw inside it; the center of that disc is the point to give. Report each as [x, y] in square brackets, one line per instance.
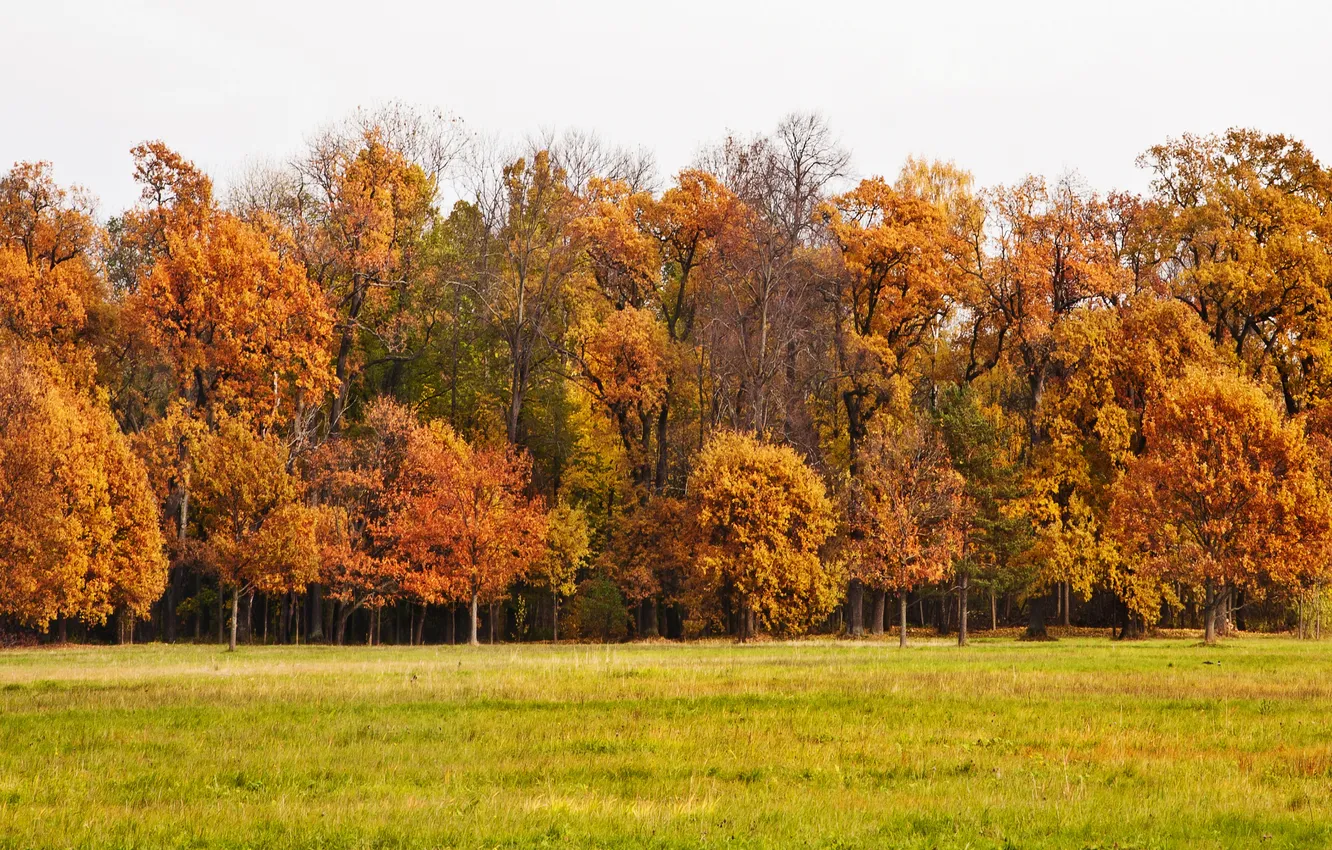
[406, 375]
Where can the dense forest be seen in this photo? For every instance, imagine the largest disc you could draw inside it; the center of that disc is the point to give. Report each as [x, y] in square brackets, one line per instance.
[407, 388]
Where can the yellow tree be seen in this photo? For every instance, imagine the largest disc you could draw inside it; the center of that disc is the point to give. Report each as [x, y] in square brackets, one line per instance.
[763, 516]
[1225, 497]
[568, 546]
[262, 537]
[79, 533]
[1246, 237]
[1110, 366]
[540, 256]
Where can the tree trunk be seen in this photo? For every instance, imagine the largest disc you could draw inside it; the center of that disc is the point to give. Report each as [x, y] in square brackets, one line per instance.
[962, 587]
[876, 619]
[902, 618]
[649, 617]
[316, 618]
[472, 640]
[1211, 604]
[994, 610]
[855, 607]
[493, 618]
[235, 618]
[1068, 602]
[1036, 629]
[343, 616]
[554, 617]
[419, 638]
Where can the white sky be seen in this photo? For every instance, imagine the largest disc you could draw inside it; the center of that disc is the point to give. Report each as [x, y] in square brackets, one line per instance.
[1004, 88]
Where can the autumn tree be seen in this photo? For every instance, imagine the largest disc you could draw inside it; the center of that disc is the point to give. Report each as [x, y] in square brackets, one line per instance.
[909, 519]
[79, 532]
[763, 516]
[49, 241]
[1039, 254]
[1246, 225]
[365, 209]
[463, 520]
[568, 548]
[1225, 496]
[625, 361]
[892, 294]
[650, 555]
[761, 314]
[1111, 366]
[241, 325]
[533, 215]
[261, 535]
[355, 478]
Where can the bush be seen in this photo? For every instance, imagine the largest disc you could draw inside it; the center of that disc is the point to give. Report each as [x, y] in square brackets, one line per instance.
[598, 611]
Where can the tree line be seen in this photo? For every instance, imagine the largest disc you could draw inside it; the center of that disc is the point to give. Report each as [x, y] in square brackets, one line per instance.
[409, 386]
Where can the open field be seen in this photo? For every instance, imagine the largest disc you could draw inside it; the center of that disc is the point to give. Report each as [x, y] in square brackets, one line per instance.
[1079, 743]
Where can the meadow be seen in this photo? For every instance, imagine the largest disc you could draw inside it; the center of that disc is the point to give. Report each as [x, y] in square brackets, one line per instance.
[1080, 743]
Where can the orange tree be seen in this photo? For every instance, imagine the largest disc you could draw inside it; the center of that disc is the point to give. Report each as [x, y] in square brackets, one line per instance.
[1225, 496]
[908, 520]
[462, 519]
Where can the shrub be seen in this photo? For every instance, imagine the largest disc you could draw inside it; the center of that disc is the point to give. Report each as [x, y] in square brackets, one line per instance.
[598, 611]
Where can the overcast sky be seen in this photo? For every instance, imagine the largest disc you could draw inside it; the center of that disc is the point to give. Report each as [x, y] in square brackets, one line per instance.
[1003, 88]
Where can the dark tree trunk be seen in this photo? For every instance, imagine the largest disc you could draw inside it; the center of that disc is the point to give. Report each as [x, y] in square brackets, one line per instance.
[855, 607]
[316, 617]
[876, 619]
[419, 638]
[649, 617]
[1036, 629]
[284, 618]
[343, 616]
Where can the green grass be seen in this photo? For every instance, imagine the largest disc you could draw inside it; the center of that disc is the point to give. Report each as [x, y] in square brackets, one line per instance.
[1081, 743]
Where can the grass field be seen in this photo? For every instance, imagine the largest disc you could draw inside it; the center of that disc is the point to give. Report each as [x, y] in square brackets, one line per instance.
[1080, 743]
